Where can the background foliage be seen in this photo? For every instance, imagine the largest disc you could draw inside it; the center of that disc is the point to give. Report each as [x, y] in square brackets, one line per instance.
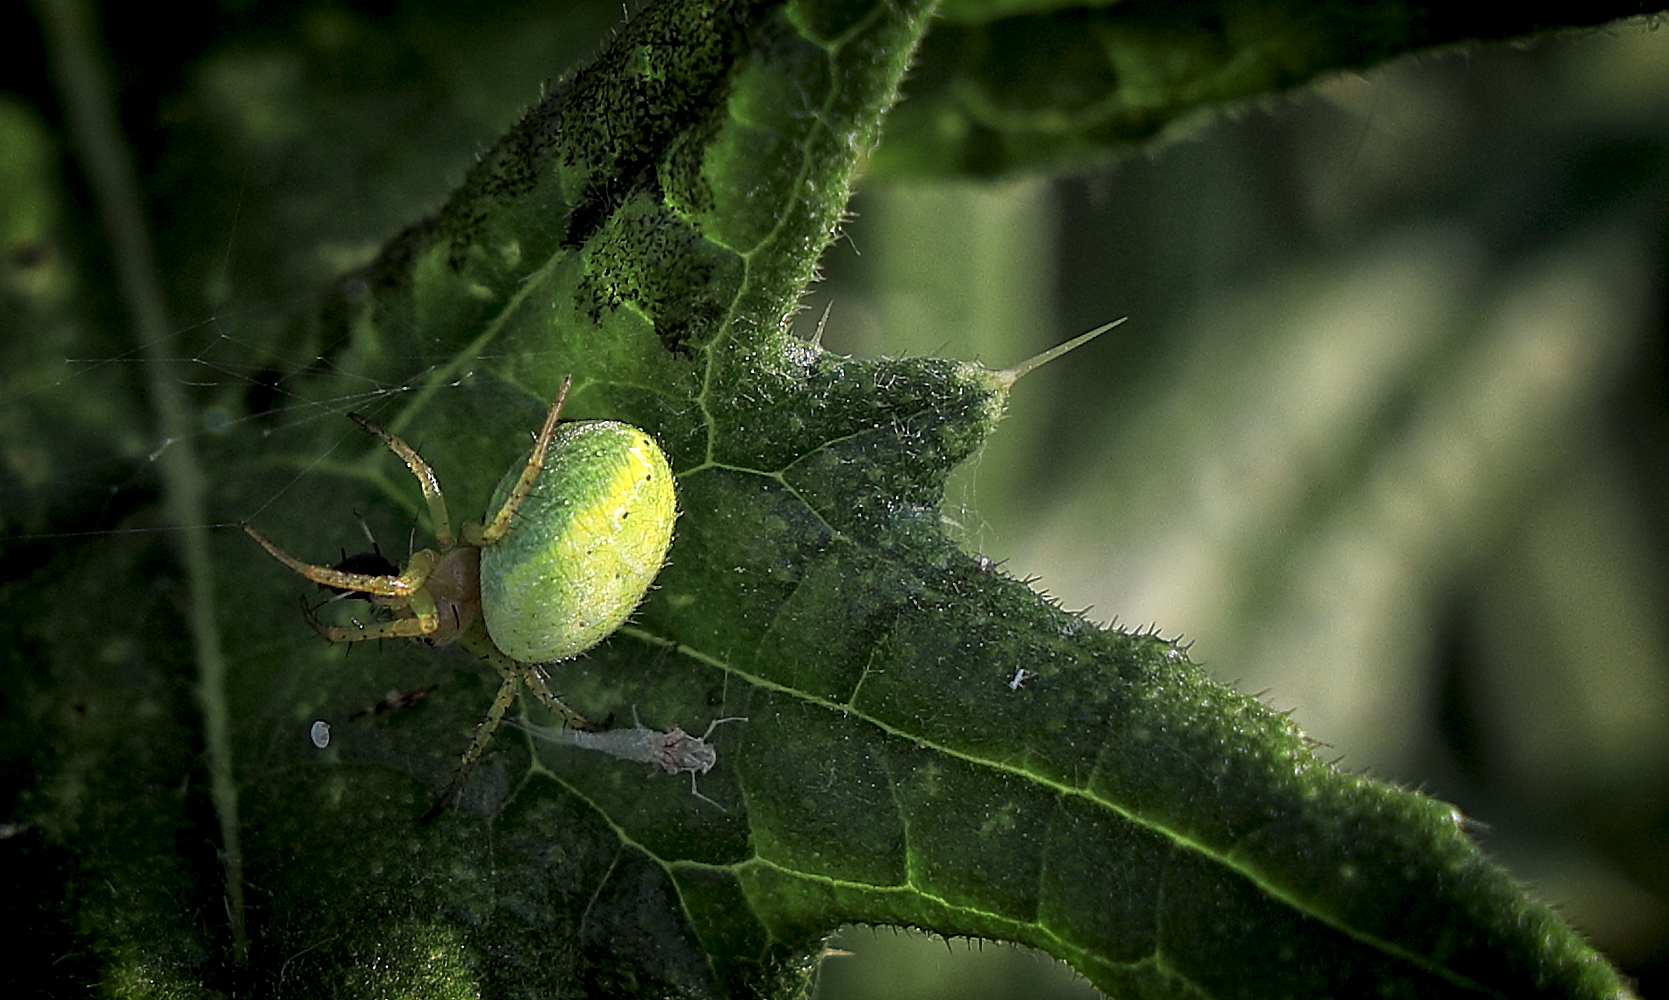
[1404, 331]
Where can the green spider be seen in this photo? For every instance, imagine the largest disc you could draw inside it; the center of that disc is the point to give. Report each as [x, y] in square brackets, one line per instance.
[577, 535]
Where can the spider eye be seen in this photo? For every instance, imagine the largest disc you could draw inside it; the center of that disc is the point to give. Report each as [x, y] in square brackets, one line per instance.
[585, 544]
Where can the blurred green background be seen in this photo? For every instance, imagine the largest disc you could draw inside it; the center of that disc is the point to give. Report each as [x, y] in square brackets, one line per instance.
[1384, 438]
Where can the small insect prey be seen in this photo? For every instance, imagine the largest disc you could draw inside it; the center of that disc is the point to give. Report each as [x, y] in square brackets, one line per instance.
[674, 750]
[394, 701]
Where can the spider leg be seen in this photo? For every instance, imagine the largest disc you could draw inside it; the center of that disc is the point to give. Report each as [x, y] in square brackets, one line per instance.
[494, 529]
[405, 593]
[537, 684]
[424, 621]
[514, 672]
[410, 580]
[477, 642]
[477, 746]
[426, 479]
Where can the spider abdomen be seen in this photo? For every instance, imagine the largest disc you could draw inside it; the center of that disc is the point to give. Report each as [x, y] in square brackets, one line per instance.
[584, 546]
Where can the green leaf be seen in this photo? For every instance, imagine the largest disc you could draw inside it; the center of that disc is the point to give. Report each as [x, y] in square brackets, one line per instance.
[1010, 85]
[928, 742]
